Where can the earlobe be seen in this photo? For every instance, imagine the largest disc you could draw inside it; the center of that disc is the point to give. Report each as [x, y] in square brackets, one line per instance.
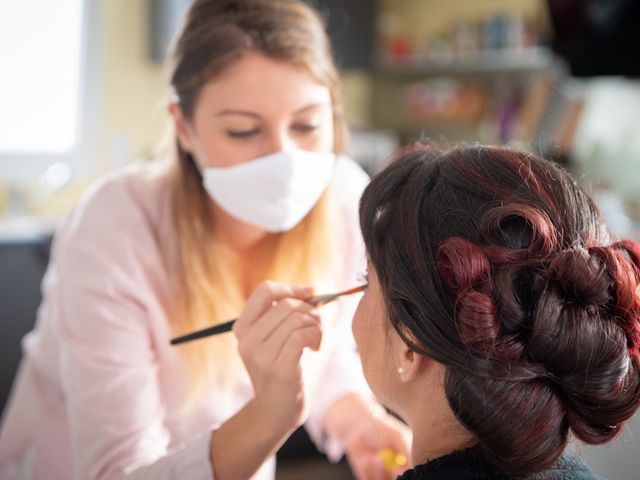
[181, 127]
[411, 364]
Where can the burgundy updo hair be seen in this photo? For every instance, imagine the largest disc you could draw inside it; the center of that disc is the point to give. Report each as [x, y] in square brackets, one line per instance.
[496, 264]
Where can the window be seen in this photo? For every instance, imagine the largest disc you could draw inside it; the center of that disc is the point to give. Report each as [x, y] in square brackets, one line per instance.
[40, 76]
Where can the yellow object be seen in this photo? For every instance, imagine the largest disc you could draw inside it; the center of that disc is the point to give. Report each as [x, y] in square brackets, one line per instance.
[391, 459]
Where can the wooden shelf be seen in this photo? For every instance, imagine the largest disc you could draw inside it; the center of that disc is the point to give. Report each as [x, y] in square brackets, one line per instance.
[489, 62]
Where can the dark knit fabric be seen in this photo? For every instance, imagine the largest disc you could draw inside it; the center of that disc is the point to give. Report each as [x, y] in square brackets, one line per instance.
[471, 464]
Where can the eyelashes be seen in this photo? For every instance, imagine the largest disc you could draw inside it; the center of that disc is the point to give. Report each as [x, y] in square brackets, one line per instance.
[299, 128]
[305, 128]
[242, 133]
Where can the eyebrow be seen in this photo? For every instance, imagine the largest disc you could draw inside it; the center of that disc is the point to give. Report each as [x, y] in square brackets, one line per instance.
[237, 112]
[249, 113]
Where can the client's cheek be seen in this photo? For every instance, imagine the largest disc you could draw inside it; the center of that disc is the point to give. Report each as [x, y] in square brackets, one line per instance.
[356, 326]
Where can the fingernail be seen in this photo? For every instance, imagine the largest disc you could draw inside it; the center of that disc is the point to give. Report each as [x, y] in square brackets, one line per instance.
[303, 290]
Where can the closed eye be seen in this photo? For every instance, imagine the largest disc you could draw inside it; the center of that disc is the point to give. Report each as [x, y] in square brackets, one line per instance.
[243, 133]
[305, 128]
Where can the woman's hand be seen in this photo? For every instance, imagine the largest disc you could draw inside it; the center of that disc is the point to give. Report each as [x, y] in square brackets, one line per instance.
[366, 430]
[273, 331]
[365, 451]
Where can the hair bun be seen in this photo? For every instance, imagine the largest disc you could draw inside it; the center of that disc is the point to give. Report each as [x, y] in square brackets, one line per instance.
[580, 277]
[622, 261]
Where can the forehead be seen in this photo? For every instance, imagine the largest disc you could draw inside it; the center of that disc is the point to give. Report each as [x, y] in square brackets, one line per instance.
[255, 82]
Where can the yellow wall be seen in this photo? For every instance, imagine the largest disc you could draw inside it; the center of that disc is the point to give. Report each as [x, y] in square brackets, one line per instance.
[357, 88]
[134, 90]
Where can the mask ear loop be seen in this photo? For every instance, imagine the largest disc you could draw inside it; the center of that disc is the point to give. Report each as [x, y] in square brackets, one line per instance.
[199, 153]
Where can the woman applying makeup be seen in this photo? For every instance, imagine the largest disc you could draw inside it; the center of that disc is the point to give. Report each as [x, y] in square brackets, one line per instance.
[252, 189]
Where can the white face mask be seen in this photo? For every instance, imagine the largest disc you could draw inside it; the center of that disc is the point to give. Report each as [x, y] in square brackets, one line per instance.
[274, 192]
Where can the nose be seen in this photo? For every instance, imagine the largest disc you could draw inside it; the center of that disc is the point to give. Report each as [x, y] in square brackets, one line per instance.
[280, 141]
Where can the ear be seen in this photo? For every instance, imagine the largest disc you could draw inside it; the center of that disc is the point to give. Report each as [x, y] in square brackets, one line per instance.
[181, 126]
[412, 365]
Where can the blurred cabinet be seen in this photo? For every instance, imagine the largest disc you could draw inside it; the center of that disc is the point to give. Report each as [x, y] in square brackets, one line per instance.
[24, 256]
[164, 18]
[350, 25]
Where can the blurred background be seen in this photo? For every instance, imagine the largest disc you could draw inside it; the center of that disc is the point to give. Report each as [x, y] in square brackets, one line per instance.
[83, 92]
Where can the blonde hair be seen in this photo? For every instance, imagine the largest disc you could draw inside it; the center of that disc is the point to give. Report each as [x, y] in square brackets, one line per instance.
[208, 289]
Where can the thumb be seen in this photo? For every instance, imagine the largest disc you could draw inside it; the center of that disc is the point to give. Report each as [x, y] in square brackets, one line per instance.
[302, 292]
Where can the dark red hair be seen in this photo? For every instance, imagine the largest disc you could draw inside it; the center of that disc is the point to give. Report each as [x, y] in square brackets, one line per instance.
[496, 264]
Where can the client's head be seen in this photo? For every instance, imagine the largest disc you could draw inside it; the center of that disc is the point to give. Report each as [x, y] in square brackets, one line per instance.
[499, 313]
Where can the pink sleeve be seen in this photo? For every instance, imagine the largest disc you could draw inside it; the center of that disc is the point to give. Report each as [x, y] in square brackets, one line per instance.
[109, 366]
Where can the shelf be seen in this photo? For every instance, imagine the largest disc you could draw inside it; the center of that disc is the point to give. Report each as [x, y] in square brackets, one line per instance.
[481, 63]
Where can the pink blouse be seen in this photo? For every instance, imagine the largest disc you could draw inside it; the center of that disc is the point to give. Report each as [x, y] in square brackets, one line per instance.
[100, 392]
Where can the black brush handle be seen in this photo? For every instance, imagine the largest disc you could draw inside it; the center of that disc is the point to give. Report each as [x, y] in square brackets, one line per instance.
[226, 327]
[206, 332]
